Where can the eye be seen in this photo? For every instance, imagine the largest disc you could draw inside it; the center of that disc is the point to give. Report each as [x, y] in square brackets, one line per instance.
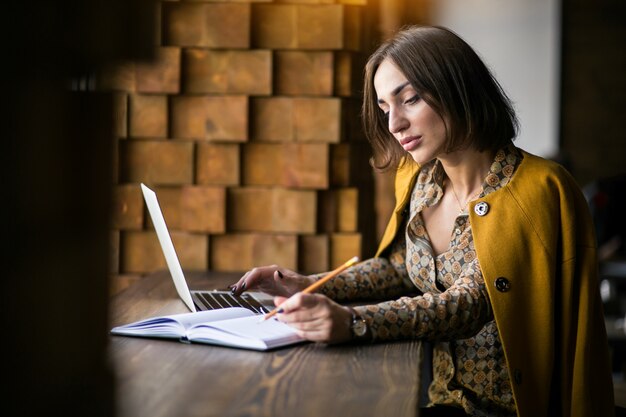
[412, 100]
[386, 116]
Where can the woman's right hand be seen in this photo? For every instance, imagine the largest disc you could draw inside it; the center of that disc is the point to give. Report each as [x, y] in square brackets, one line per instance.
[272, 280]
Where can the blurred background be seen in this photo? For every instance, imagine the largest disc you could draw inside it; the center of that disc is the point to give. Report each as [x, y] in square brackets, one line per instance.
[243, 116]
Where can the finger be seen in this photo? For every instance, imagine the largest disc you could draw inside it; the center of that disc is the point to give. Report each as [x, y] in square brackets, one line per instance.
[304, 301]
[296, 318]
[279, 299]
[246, 282]
[235, 288]
[303, 308]
[280, 286]
[305, 313]
[253, 278]
[292, 303]
[278, 275]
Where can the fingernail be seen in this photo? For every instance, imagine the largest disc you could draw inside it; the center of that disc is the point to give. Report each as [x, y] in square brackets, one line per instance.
[233, 288]
[280, 311]
[243, 286]
[280, 274]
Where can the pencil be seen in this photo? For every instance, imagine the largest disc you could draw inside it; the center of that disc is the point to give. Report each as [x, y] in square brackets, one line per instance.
[332, 274]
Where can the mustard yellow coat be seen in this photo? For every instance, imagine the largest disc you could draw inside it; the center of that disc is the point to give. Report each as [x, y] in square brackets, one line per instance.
[538, 234]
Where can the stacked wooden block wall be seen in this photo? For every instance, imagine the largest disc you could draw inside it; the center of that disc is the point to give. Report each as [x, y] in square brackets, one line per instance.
[247, 127]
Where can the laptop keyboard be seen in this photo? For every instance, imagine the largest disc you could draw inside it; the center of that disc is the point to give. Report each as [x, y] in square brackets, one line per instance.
[223, 299]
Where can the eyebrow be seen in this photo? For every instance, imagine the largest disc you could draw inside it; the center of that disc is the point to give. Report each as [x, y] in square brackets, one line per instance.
[395, 91]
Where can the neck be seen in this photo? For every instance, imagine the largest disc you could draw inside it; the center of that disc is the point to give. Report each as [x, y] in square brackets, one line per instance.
[466, 170]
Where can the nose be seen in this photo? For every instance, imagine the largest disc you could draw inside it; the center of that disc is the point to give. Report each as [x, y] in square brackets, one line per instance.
[397, 121]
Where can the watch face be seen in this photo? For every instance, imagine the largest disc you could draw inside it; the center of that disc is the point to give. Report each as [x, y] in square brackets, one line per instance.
[359, 328]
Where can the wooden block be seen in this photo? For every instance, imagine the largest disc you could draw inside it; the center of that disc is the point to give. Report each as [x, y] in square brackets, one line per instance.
[213, 118]
[313, 251]
[115, 160]
[262, 164]
[305, 26]
[272, 119]
[320, 27]
[348, 73]
[217, 164]
[192, 250]
[162, 75]
[148, 116]
[344, 246]
[294, 210]
[293, 165]
[274, 26]
[281, 119]
[353, 28]
[341, 164]
[157, 162]
[120, 77]
[303, 73]
[349, 164]
[141, 251]
[306, 1]
[351, 116]
[347, 209]
[194, 208]
[128, 207]
[339, 210]
[279, 210]
[317, 119]
[250, 210]
[305, 165]
[242, 252]
[219, 25]
[227, 72]
[227, 1]
[120, 115]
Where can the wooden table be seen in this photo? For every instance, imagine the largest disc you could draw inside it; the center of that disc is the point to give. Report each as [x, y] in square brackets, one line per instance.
[167, 378]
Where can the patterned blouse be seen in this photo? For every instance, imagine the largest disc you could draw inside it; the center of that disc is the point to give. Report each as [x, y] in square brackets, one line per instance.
[442, 299]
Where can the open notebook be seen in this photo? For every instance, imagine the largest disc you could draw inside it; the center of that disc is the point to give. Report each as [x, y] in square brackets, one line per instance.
[232, 327]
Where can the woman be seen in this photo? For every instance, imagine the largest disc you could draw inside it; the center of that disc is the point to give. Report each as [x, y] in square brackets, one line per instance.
[489, 255]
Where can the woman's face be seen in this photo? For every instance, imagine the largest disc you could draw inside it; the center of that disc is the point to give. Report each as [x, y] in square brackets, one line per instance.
[414, 124]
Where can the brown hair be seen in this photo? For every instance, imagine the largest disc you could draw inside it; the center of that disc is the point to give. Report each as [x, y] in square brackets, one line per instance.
[447, 74]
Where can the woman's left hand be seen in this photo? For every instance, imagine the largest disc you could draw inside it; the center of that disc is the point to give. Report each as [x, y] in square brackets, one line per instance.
[315, 317]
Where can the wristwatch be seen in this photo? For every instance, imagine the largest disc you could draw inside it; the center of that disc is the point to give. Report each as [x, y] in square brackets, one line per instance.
[358, 326]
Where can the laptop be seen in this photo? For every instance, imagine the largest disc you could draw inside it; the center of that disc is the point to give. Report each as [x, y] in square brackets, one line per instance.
[198, 300]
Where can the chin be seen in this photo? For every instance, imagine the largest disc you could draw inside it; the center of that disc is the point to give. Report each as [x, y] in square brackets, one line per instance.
[421, 158]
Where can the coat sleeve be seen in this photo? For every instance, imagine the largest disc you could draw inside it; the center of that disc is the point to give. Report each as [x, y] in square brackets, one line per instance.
[550, 319]
[584, 353]
[458, 312]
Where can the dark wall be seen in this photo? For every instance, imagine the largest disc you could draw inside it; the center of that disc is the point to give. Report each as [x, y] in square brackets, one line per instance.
[593, 136]
[56, 165]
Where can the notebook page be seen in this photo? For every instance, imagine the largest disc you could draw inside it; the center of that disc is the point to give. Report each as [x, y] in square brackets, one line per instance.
[247, 332]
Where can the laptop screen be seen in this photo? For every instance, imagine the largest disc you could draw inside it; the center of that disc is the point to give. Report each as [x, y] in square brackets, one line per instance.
[167, 246]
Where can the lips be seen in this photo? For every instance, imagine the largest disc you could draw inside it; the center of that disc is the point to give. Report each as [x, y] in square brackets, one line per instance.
[409, 143]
